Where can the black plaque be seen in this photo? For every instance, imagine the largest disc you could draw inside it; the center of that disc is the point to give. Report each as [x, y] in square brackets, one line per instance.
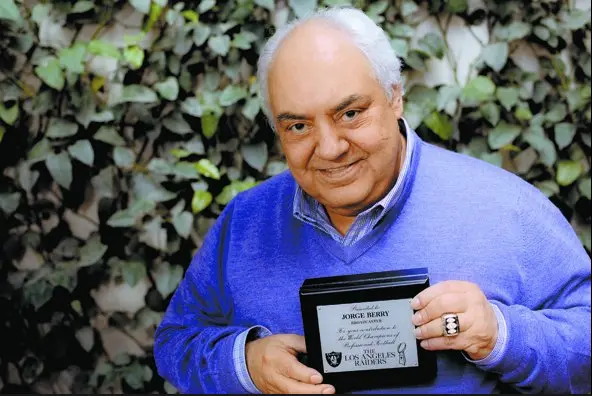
[359, 333]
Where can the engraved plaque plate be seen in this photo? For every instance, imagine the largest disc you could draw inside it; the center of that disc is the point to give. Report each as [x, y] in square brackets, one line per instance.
[367, 336]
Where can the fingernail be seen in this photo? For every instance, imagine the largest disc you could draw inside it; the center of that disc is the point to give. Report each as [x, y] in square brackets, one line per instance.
[316, 379]
[423, 344]
[417, 332]
[415, 303]
[416, 319]
[328, 390]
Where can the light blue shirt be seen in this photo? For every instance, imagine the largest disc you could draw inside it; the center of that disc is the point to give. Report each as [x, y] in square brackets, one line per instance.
[310, 211]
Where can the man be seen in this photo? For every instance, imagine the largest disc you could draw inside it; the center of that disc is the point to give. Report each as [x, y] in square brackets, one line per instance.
[365, 194]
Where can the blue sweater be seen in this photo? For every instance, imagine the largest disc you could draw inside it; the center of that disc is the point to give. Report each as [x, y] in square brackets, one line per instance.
[460, 217]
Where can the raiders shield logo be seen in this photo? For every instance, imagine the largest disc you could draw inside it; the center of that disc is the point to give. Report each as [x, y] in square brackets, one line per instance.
[333, 358]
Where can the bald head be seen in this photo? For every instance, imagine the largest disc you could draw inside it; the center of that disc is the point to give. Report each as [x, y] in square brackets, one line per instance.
[319, 38]
[315, 56]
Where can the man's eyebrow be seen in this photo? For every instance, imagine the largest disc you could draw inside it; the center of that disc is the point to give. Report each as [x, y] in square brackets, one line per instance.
[348, 101]
[290, 117]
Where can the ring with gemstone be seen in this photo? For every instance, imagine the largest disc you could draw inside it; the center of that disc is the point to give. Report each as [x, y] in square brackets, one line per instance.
[450, 325]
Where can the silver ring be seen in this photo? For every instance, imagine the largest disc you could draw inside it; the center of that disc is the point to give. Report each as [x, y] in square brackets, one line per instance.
[450, 325]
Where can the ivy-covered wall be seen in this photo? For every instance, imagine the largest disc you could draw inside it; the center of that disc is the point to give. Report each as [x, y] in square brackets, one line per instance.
[126, 126]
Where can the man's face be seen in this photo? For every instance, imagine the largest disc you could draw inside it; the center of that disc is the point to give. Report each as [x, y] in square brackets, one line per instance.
[336, 126]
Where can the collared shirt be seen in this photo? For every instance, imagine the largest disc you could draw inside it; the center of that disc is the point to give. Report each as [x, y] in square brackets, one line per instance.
[310, 211]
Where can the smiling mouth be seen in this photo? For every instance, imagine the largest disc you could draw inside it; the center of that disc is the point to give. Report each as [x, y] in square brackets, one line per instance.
[338, 171]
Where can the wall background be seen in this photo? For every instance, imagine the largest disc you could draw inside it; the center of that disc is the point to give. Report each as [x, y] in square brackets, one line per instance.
[126, 126]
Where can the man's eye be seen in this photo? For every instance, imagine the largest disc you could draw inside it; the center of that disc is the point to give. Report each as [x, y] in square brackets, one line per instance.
[350, 115]
[298, 128]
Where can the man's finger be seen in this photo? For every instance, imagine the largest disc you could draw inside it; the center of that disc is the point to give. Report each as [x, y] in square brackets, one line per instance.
[295, 387]
[435, 328]
[426, 296]
[444, 343]
[443, 303]
[296, 342]
[298, 371]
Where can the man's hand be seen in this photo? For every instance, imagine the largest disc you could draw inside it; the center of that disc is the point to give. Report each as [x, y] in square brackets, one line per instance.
[478, 323]
[274, 368]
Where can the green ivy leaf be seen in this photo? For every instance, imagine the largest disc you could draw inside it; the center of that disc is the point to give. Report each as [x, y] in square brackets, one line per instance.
[159, 166]
[513, 31]
[440, 125]
[269, 4]
[92, 251]
[302, 7]
[40, 151]
[432, 44]
[176, 123]
[167, 278]
[109, 135]
[183, 223]
[568, 172]
[408, 8]
[232, 94]
[578, 97]
[251, 108]
[9, 202]
[83, 151]
[102, 48]
[134, 56]
[200, 200]
[206, 168]
[400, 47]
[133, 271]
[495, 55]
[456, 6]
[142, 6]
[535, 137]
[206, 5]
[548, 187]
[72, 58]
[200, 34]
[401, 30]
[9, 10]
[60, 128]
[192, 107]
[219, 44]
[38, 293]
[576, 19]
[129, 216]
[9, 115]
[490, 111]
[209, 124]
[479, 89]
[564, 134]
[502, 135]
[50, 72]
[523, 113]
[557, 113]
[255, 155]
[168, 89]
[231, 190]
[446, 95]
[507, 96]
[123, 157]
[60, 168]
[138, 94]
[243, 40]
[585, 188]
[375, 10]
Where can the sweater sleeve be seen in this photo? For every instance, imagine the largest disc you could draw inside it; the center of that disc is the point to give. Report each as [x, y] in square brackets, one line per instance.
[548, 330]
[194, 343]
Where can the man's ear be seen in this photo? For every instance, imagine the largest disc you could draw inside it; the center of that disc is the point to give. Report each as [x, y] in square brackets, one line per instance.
[397, 100]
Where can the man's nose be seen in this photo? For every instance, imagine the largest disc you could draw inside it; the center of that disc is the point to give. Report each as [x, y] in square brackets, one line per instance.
[331, 144]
